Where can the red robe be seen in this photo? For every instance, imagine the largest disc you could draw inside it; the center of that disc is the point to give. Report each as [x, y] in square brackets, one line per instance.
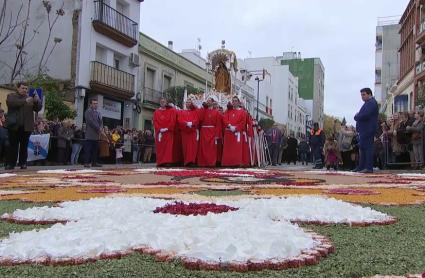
[210, 132]
[189, 135]
[233, 147]
[220, 139]
[247, 140]
[164, 118]
[177, 146]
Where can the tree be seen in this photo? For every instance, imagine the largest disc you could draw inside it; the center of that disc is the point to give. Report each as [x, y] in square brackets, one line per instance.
[266, 123]
[18, 28]
[331, 125]
[56, 108]
[8, 21]
[54, 104]
[51, 23]
[176, 94]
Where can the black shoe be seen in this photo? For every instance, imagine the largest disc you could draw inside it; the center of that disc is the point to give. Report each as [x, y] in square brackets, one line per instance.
[8, 167]
[96, 165]
[24, 166]
[86, 165]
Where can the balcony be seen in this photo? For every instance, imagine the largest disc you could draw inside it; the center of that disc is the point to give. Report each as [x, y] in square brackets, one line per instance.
[114, 24]
[111, 81]
[420, 38]
[151, 97]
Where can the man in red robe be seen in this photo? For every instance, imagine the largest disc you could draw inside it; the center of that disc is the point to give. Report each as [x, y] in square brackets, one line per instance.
[164, 120]
[248, 154]
[234, 121]
[188, 122]
[221, 135]
[210, 134]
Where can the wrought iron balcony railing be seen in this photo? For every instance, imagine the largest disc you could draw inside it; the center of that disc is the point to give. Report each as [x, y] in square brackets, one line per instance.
[117, 82]
[114, 24]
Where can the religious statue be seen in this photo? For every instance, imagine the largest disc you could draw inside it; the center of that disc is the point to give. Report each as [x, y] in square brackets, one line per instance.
[222, 79]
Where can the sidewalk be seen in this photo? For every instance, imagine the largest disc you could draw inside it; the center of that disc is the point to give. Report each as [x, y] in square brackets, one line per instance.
[80, 166]
[283, 167]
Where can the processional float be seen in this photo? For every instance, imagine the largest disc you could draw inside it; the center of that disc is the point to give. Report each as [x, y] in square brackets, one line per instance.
[223, 65]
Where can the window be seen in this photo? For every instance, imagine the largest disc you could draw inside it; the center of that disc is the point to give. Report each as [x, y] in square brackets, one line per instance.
[121, 7]
[166, 83]
[378, 76]
[378, 43]
[150, 78]
[188, 84]
[100, 54]
[116, 63]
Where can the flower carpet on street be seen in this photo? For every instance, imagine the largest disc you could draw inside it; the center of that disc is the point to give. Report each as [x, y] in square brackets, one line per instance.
[242, 235]
[66, 185]
[231, 220]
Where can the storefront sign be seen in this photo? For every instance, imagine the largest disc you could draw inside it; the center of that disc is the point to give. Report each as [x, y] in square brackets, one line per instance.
[112, 109]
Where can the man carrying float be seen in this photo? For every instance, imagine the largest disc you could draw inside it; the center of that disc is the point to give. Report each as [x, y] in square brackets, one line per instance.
[164, 120]
[211, 133]
[234, 121]
[188, 124]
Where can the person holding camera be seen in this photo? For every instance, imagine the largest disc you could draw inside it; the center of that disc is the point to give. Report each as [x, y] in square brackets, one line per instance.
[22, 109]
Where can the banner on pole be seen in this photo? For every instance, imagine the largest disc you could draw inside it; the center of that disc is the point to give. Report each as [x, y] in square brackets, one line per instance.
[38, 147]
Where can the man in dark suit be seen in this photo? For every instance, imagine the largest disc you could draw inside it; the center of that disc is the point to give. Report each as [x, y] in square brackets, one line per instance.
[366, 126]
[20, 124]
[274, 136]
[94, 126]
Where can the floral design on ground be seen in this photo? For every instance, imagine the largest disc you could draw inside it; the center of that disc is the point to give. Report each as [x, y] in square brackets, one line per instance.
[395, 181]
[259, 235]
[182, 174]
[351, 191]
[180, 208]
[103, 190]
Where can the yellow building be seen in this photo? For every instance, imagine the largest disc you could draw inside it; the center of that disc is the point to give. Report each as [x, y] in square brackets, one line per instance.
[161, 68]
[4, 91]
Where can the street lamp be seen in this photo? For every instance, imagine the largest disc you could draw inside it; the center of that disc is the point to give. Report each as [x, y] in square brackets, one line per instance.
[207, 65]
[307, 127]
[258, 93]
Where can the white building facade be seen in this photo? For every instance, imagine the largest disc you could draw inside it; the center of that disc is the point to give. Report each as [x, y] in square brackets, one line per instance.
[92, 48]
[279, 91]
[387, 60]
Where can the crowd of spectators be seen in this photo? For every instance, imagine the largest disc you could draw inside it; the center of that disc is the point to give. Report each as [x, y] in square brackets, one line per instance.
[118, 145]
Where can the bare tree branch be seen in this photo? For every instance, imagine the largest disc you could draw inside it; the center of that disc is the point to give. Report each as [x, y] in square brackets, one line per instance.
[51, 24]
[20, 47]
[12, 25]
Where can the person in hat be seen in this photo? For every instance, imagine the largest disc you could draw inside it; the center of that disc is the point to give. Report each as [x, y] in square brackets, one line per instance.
[366, 126]
[188, 124]
[210, 134]
[234, 121]
[164, 120]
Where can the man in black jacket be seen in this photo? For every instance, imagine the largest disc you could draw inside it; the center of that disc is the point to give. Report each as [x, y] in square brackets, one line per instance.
[20, 123]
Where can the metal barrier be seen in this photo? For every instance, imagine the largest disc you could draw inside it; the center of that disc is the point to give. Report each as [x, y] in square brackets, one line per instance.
[404, 156]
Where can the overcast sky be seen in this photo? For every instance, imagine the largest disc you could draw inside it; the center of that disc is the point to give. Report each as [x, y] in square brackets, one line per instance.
[340, 32]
